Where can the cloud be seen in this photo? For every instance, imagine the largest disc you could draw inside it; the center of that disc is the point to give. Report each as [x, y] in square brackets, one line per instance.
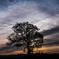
[26, 13]
[51, 31]
[52, 39]
[29, 13]
[42, 13]
[5, 50]
[48, 23]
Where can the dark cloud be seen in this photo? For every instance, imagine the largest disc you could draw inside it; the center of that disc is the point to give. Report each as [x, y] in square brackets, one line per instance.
[55, 2]
[53, 37]
[47, 3]
[51, 42]
[51, 31]
[47, 10]
[8, 49]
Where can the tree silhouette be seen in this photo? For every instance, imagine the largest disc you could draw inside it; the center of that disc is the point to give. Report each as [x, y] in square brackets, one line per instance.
[25, 35]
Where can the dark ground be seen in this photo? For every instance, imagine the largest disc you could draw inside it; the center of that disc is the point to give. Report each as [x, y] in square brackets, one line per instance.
[36, 56]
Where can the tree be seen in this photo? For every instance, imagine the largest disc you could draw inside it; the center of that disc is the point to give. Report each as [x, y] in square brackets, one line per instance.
[26, 35]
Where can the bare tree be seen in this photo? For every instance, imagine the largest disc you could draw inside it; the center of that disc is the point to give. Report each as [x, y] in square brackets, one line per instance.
[26, 35]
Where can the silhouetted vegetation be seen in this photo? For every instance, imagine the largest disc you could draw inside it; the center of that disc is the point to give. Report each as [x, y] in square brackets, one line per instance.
[25, 35]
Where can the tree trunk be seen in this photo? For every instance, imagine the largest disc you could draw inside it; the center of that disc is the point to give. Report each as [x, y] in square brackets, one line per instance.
[28, 49]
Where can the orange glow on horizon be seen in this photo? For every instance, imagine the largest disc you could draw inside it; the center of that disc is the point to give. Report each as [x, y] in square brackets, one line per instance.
[43, 49]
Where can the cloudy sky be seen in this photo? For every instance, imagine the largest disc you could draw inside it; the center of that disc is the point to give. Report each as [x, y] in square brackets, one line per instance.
[42, 13]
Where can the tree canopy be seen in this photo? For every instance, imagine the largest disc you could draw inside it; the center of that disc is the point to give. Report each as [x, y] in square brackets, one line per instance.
[26, 35]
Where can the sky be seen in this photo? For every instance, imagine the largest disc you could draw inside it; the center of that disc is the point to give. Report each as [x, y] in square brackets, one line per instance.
[42, 13]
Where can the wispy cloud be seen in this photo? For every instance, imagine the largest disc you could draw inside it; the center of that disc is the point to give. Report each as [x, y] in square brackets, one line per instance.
[31, 13]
